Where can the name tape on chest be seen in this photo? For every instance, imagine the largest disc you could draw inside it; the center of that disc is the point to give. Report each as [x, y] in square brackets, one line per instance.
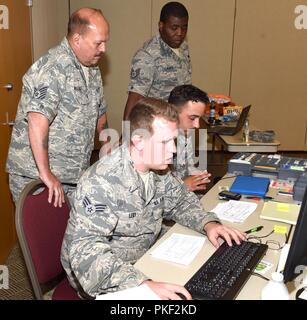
[158, 201]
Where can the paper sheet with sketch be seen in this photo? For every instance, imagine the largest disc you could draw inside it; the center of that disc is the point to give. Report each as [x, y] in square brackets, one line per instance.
[179, 248]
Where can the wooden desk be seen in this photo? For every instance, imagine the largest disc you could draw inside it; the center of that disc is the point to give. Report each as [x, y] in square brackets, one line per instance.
[160, 270]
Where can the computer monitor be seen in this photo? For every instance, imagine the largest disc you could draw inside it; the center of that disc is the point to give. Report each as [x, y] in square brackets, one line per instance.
[297, 256]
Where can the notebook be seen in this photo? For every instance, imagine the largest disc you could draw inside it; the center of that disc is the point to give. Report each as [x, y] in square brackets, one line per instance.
[249, 185]
[278, 211]
[230, 131]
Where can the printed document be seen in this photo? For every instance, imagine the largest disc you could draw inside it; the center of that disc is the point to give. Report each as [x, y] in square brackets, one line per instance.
[234, 211]
[179, 248]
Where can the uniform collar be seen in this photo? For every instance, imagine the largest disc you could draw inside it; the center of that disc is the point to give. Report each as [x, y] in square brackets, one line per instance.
[131, 178]
[166, 49]
[66, 46]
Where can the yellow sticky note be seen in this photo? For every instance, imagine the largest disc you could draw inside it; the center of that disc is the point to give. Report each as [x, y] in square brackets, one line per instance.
[283, 207]
[280, 229]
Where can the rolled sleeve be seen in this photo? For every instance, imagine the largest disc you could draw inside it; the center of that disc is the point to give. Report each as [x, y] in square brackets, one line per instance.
[102, 107]
[45, 96]
[184, 207]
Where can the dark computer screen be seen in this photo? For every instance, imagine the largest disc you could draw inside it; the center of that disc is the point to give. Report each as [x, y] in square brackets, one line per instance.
[297, 257]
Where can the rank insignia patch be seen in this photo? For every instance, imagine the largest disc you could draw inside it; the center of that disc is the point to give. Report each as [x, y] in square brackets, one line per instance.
[92, 208]
[40, 94]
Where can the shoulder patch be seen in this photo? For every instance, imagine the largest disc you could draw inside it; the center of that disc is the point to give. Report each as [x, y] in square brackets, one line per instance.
[40, 94]
[135, 73]
[92, 208]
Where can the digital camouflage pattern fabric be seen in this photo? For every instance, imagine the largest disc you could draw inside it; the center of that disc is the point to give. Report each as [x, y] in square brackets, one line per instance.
[113, 223]
[156, 69]
[184, 160]
[55, 86]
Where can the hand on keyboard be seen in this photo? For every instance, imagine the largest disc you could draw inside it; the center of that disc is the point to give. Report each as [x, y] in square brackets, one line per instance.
[226, 271]
[216, 230]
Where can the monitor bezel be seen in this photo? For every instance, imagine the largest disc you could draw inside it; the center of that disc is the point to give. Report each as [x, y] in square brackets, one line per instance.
[297, 255]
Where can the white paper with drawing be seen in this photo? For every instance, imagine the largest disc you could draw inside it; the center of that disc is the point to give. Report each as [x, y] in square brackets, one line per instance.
[234, 211]
[179, 248]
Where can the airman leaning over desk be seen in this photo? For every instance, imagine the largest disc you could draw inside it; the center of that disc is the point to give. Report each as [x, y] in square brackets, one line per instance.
[119, 204]
[61, 105]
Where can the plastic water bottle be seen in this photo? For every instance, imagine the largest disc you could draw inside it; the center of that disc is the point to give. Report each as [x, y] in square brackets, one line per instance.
[246, 131]
[212, 112]
[275, 289]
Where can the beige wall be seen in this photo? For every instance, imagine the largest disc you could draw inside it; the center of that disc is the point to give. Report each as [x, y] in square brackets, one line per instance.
[49, 24]
[270, 68]
[267, 68]
[129, 28]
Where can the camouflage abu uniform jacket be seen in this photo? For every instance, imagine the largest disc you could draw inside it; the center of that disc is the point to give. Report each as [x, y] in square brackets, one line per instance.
[156, 69]
[112, 223]
[184, 160]
[55, 86]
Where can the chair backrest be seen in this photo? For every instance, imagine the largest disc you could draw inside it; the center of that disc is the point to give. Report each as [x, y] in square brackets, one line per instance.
[40, 230]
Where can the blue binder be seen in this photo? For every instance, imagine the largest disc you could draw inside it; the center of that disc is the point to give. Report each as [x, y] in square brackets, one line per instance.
[254, 186]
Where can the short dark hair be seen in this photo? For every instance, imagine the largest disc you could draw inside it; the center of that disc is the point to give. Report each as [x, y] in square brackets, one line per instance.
[78, 23]
[173, 9]
[180, 95]
[144, 112]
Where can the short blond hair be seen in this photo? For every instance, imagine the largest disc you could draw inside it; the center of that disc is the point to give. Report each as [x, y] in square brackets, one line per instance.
[145, 111]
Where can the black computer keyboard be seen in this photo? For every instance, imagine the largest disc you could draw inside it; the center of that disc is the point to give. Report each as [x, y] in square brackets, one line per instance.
[226, 271]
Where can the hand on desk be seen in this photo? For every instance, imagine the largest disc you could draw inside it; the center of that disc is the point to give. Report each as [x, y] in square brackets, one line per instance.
[215, 230]
[197, 182]
[168, 291]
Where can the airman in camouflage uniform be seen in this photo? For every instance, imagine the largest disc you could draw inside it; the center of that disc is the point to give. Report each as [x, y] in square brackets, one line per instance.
[119, 205]
[57, 87]
[190, 102]
[164, 61]
[113, 223]
[157, 69]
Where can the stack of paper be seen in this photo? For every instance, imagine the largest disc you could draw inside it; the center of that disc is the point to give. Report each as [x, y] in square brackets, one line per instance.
[234, 211]
[278, 211]
[179, 248]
